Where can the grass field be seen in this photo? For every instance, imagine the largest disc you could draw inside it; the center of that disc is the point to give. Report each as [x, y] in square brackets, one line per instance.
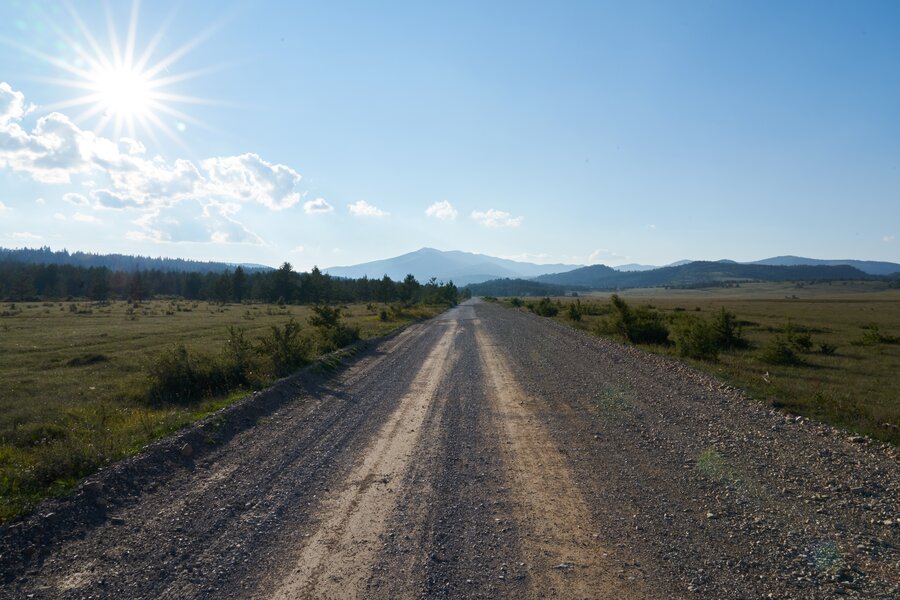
[74, 380]
[857, 387]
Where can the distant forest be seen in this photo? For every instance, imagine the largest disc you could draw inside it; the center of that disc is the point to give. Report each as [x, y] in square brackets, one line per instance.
[118, 262]
[22, 281]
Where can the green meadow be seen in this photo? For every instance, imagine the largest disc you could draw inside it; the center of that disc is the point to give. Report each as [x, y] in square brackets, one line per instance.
[75, 390]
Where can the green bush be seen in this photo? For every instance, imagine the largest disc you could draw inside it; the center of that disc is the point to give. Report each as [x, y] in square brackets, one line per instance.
[239, 359]
[176, 376]
[331, 332]
[798, 337]
[827, 349]
[516, 302]
[545, 308]
[641, 325]
[779, 352]
[286, 348]
[573, 312]
[727, 331]
[696, 338]
[873, 336]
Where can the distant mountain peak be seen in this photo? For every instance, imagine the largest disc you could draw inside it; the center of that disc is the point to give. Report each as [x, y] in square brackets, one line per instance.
[461, 267]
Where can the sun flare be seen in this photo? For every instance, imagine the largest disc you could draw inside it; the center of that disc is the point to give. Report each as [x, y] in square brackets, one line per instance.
[124, 89]
[123, 92]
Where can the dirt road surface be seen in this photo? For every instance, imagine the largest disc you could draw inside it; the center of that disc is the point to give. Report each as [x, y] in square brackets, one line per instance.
[486, 453]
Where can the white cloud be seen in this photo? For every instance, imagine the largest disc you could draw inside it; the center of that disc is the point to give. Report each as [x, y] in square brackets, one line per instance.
[442, 210]
[60, 217]
[12, 104]
[605, 256]
[83, 218]
[651, 226]
[297, 249]
[250, 177]
[76, 199]
[319, 205]
[26, 235]
[888, 239]
[3, 207]
[362, 208]
[40, 201]
[192, 222]
[56, 150]
[496, 218]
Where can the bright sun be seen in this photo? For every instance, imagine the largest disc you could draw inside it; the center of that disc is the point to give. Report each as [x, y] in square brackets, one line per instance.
[124, 90]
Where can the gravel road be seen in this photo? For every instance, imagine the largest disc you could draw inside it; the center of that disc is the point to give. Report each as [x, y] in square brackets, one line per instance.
[486, 453]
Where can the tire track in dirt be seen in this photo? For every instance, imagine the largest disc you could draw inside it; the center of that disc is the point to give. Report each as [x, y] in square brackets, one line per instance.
[452, 534]
[566, 559]
[336, 560]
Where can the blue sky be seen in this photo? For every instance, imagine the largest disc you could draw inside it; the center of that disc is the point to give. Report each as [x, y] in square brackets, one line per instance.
[337, 132]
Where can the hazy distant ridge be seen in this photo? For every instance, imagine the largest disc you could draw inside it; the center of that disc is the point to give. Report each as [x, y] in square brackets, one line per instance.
[872, 267]
[698, 273]
[462, 268]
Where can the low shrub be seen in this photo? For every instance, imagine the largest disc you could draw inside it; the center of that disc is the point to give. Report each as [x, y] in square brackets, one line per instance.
[779, 352]
[177, 376]
[239, 359]
[86, 359]
[696, 338]
[573, 311]
[798, 337]
[872, 336]
[286, 348]
[727, 331]
[641, 325]
[827, 349]
[331, 332]
[544, 308]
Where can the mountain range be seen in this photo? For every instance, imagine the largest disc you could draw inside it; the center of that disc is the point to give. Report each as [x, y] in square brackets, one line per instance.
[466, 268]
[462, 268]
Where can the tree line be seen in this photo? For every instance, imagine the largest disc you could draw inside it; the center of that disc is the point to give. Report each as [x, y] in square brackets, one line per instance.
[21, 281]
[117, 262]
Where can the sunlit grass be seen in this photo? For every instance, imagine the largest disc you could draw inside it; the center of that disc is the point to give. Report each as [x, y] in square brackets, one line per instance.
[74, 383]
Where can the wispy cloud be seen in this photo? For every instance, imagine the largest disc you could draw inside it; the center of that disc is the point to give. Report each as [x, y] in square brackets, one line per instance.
[442, 210]
[888, 239]
[83, 218]
[529, 257]
[361, 208]
[3, 207]
[496, 218]
[26, 235]
[317, 206]
[604, 255]
[76, 199]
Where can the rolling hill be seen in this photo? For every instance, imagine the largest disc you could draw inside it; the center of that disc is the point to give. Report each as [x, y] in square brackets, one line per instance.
[697, 273]
[872, 267]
